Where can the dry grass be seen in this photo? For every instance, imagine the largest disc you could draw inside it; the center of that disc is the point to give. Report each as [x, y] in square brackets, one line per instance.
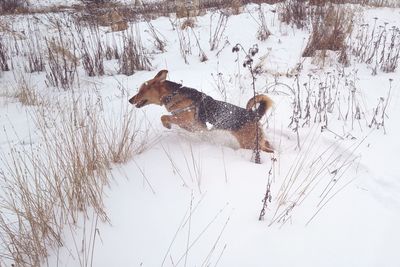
[62, 61]
[4, 56]
[331, 27]
[62, 172]
[103, 3]
[51, 183]
[235, 7]
[92, 50]
[317, 178]
[35, 54]
[121, 135]
[159, 40]
[294, 12]
[90, 11]
[133, 56]
[12, 6]
[26, 94]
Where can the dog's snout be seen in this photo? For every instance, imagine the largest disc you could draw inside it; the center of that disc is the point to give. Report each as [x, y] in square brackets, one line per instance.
[132, 100]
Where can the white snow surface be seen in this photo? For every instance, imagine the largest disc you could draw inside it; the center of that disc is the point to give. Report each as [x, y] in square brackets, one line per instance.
[193, 199]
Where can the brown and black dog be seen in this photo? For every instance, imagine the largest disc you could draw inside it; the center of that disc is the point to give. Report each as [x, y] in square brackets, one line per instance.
[191, 110]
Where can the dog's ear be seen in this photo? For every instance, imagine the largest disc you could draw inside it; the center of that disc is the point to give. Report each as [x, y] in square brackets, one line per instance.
[161, 75]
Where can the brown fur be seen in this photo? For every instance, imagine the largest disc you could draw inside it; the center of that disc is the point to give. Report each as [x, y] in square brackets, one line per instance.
[156, 91]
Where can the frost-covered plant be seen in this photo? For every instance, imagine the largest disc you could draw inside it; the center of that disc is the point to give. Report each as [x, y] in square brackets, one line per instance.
[248, 64]
[216, 34]
[263, 32]
[380, 111]
[184, 40]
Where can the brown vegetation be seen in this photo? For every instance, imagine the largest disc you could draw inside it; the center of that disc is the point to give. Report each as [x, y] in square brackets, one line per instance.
[331, 27]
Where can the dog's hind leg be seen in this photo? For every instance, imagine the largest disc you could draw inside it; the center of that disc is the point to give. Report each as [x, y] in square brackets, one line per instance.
[247, 135]
[266, 146]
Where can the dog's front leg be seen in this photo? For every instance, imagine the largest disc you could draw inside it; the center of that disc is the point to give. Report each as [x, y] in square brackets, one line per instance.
[166, 121]
[185, 120]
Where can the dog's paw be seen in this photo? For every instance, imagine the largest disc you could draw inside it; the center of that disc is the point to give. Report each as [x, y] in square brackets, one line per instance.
[269, 150]
[165, 122]
[267, 147]
[167, 125]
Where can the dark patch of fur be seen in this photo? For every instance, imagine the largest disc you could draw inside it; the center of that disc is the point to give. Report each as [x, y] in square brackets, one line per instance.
[221, 115]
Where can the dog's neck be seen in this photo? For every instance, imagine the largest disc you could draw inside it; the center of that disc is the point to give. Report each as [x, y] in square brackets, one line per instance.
[168, 90]
[172, 87]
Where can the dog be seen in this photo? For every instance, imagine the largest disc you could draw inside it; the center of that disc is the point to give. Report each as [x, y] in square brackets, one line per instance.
[192, 110]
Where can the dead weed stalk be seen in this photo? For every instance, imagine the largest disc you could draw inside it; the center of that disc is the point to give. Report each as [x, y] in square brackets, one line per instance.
[133, 56]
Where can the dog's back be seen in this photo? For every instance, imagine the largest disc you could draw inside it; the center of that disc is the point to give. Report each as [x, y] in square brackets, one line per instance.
[221, 115]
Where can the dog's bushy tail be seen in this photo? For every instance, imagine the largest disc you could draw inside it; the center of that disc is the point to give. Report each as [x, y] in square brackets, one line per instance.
[264, 104]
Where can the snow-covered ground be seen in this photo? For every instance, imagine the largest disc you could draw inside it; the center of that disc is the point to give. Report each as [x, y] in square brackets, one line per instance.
[195, 199]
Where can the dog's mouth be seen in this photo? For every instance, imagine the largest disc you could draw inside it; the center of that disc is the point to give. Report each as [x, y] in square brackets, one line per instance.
[141, 103]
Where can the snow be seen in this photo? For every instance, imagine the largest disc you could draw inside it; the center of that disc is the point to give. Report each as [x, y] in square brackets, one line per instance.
[194, 199]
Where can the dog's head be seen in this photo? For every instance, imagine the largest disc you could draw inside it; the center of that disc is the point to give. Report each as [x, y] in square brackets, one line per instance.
[151, 91]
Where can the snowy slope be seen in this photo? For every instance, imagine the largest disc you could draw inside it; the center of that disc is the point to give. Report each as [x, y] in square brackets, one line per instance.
[195, 199]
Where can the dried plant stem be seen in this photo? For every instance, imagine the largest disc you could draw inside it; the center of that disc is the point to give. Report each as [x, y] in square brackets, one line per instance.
[267, 197]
